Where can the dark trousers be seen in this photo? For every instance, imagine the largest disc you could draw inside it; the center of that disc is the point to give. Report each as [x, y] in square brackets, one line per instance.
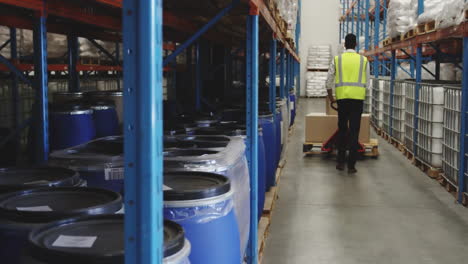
[349, 124]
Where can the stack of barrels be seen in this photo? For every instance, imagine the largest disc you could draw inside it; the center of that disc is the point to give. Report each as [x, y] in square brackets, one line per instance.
[49, 216]
[76, 117]
[206, 184]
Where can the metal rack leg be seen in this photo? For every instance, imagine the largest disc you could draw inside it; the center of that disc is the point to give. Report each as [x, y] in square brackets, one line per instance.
[41, 124]
[416, 97]
[392, 89]
[464, 119]
[252, 129]
[142, 28]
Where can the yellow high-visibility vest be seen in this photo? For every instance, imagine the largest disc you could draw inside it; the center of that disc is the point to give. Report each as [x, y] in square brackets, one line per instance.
[351, 76]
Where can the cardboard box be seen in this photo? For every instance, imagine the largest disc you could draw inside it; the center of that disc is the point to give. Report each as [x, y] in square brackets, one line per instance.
[329, 110]
[320, 127]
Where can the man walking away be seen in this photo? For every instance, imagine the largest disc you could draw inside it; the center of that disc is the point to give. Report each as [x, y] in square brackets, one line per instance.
[349, 74]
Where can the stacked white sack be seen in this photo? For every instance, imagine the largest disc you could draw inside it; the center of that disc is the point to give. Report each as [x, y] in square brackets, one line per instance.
[445, 13]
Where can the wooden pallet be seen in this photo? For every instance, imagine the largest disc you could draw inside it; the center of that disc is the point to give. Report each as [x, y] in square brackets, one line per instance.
[387, 42]
[425, 28]
[449, 186]
[410, 34]
[270, 202]
[311, 149]
[263, 232]
[408, 154]
[272, 195]
[397, 38]
[433, 173]
[378, 130]
[291, 129]
[392, 141]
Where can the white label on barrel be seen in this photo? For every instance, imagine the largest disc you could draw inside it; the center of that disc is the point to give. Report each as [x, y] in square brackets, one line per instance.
[44, 208]
[75, 241]
[112, 174]
[166, 188]
[291, 105]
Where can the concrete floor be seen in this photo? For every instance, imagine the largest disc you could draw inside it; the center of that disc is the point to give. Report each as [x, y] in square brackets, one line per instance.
[389, 212]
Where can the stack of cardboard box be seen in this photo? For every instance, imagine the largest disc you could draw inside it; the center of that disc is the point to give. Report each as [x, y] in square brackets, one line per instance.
[321, 126]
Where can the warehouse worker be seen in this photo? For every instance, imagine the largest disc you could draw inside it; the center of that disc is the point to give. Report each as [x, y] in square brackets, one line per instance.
[349, 74]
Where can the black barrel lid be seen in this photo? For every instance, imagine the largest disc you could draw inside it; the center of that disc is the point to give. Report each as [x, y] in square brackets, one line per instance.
[176, 144]
[207, 141]
[71, 106]
[49, 204]
[211, 131]
[111, 146]
[104, 93]
[90, 240]
[174, 238]
[183, 186]
[188, 153]
[15, 179]
[102, 102]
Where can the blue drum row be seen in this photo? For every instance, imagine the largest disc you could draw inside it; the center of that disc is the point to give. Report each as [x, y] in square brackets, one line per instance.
[47, 218]
[79, 121]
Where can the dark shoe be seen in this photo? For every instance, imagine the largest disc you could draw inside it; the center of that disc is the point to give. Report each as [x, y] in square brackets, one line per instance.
[340, 166]
[352, 170]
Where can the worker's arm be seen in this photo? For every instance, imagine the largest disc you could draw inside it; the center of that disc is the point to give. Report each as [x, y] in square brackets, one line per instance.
[331, 81]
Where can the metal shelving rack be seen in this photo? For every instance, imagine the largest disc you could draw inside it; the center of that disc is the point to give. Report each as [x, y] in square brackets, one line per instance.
[140, 25]
[439, 46]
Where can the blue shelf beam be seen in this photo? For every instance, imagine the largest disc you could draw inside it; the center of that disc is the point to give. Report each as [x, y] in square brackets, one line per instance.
[143, 144]
[200, 32]
[41, 115]
[15, 92]
[464, 119]
[393, 72]
[252, 127]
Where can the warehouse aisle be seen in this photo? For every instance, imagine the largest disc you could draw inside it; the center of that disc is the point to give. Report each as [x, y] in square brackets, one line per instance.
[389, 212]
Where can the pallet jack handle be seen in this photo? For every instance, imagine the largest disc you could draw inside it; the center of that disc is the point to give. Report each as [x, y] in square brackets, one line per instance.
[334, 105]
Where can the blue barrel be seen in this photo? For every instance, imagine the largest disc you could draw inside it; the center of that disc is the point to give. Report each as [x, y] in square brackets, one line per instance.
[99, 162]
[279, 135]
[240, 130]
[267, 122]
[229, 161]
[293, 105]
[115, 96]
[202, 204]
[176, 247]
[106, 120]
[71, 125]
[102, 242]
[16, 179]
[23, 211]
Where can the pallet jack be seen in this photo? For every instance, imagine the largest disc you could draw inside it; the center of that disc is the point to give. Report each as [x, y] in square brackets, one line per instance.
[329, 146]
